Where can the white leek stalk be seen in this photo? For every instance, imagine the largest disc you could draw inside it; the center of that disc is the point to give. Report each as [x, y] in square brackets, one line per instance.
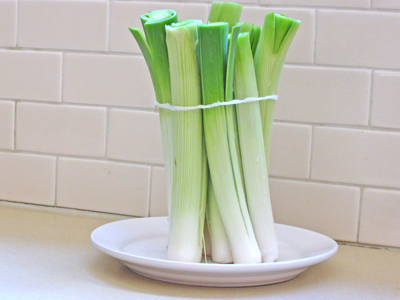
[154, 50]
[226, 12]
[190, 169]
[213, 40]
[220, 248]
[253, 152]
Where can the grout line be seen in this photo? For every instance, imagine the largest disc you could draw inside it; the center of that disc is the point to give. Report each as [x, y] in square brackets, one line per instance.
[336, 183]
[97, 214]
[371, 93]
[56, 181]
[80, 157]
[150, 188]
[146, 109]
[311, 152]
[110, 53]
[62, 79]
[17, 24]
[15, 126]
[278, 121]
[359, 213]
[108, 25]
[341, 126]
[331, 8]
[315, 36]
[339, 67]
[59, 209]
[107, 131]
[369, 246]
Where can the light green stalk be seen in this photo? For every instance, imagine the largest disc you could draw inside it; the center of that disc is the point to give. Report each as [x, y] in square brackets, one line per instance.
[188, 197]
[217, 233]
[154, 50]
[228, 12]
[213, 40]
[220, 249]
[276, 36]
[225, 12]
[253, 152]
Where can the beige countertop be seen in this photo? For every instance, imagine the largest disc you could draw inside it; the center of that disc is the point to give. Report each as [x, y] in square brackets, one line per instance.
[46, 253]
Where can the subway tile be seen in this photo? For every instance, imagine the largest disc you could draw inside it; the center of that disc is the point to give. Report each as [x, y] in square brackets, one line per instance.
[126, 14]
[356, 156]
[8, 23]
[386, 104]
[27, 178]
[7, 109]
[103, 186]
[61, 129]
[290, 150]
[387, 4]
[326, 208]
[158, 200]
[380, 218]
[30, 75]
[76, 25]
[358, 38]
[302, 48]
[135, 136]
[328, 3]
[107, 79]
[324, 95]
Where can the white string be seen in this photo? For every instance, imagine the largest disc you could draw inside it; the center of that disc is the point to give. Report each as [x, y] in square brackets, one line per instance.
[215, 104]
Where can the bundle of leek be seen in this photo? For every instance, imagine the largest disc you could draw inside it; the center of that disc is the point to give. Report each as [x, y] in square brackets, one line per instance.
[192, 63]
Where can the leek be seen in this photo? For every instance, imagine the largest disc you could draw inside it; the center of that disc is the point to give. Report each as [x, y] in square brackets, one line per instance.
[225, 12]
[154, 50]
[253, 152]
[275, 38]
[188, 196]
[230, 13]
[213, 40]
[220, 249]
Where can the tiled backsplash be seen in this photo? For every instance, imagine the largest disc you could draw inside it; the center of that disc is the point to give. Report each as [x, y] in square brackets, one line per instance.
[78, 126]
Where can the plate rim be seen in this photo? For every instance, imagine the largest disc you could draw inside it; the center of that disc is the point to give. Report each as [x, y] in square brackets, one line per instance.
[220, 269]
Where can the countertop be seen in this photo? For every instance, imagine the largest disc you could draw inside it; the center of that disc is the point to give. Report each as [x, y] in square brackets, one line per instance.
[46, 253]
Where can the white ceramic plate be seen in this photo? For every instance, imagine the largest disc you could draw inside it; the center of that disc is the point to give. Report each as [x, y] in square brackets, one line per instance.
[141, 244]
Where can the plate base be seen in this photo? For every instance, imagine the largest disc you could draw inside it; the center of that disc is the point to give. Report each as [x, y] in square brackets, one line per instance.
[141, 244]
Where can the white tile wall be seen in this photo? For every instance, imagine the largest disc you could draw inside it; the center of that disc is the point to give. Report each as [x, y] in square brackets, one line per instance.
[330, 3]
[386, 104]
[356, 156]
[324, 95]
[135, 136]
[61, 129]
[78, 25]
[358, 38]
[107, 80]
[325, 208]
[78, 126]
[388, 4]
[30, 75]
[380, 228]
[103, 186]
[27, 178]
[284, 160]
[7, 109]
[158, 200]
[8, 23]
